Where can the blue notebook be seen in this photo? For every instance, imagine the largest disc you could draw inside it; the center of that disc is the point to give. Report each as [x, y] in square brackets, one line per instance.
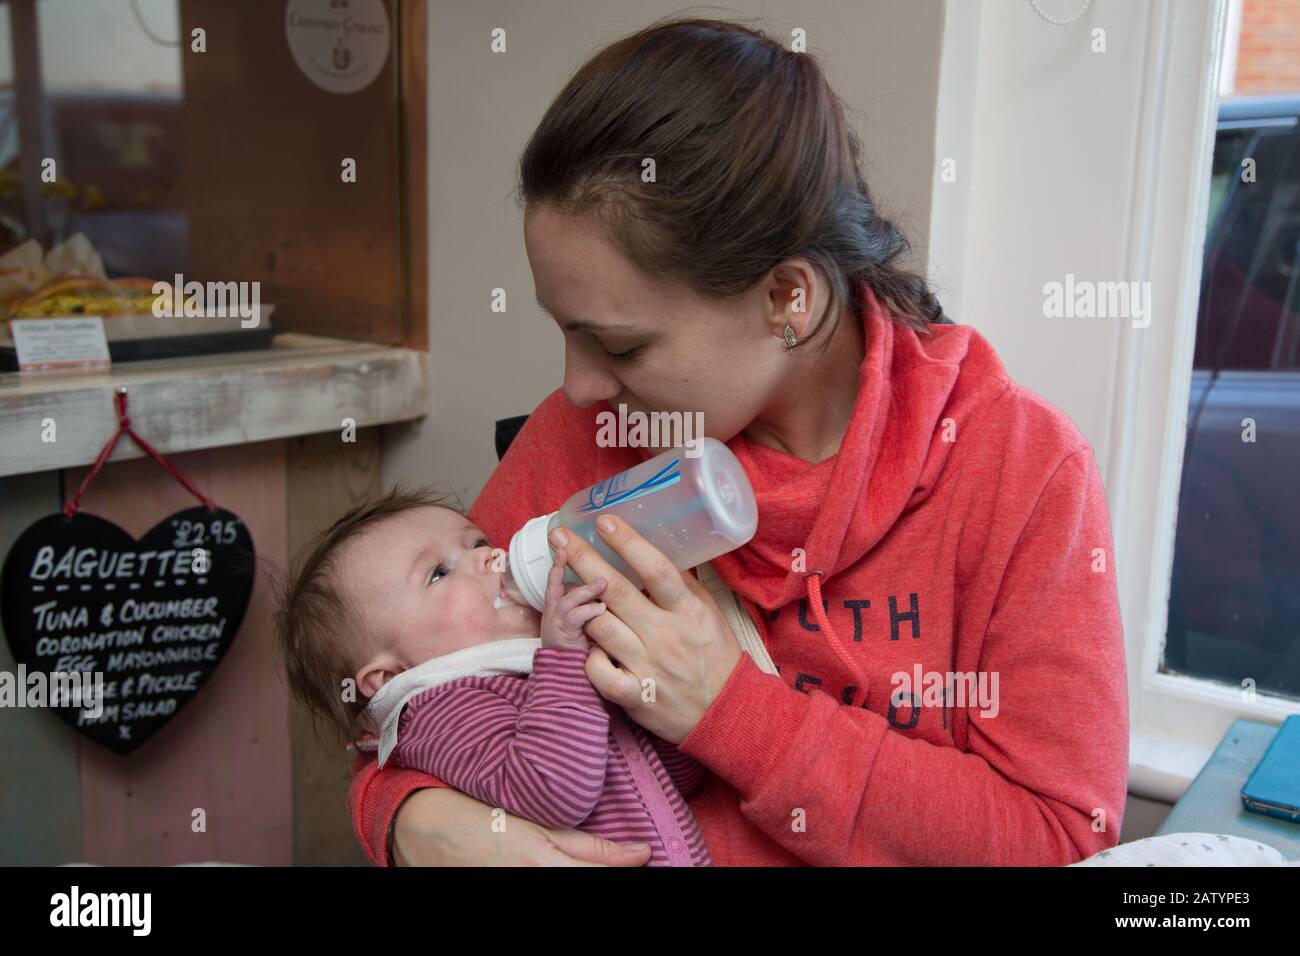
[1273, 788]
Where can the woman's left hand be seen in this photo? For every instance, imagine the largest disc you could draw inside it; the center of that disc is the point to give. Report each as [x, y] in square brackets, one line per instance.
[674, 649]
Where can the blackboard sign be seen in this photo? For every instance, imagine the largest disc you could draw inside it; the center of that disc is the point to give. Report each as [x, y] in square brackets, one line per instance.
[149, 619]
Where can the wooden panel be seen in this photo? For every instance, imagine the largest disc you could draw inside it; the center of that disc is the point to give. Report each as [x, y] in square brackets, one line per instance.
[326, 477]
[263, 148]
[227, 751]
[303, 385]
[40, 796]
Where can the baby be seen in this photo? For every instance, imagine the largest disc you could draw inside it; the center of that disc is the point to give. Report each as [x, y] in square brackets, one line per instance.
[399, 601]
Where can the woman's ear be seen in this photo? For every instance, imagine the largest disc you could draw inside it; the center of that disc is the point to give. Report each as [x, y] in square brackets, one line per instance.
[795, 293]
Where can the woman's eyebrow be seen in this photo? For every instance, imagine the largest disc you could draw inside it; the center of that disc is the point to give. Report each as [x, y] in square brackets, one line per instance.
[585, 325]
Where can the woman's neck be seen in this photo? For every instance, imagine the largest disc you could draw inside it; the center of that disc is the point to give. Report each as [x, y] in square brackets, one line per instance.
[814, 404]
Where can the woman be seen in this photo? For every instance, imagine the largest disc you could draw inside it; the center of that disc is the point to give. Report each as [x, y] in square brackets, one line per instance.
[933, 572]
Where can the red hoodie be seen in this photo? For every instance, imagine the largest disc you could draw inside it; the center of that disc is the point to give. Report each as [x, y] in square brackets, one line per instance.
[961, 529]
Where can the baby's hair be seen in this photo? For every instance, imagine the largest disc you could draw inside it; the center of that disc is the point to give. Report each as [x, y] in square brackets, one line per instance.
[317, 622]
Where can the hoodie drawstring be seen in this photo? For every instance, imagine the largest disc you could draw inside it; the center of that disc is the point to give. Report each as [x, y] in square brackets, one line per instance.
[813, 584]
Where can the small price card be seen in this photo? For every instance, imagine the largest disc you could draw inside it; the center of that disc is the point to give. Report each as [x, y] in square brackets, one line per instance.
[48, 345]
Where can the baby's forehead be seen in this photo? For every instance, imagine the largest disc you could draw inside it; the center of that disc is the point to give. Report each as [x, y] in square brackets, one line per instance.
[453, 520]
[433, 518]
[403, 537]
[413, 527]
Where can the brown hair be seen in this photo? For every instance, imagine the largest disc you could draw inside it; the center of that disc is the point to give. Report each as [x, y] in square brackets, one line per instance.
[754, 164]
[317, 622]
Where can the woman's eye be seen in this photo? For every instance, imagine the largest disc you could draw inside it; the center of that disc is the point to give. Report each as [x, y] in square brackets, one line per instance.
[621, 356]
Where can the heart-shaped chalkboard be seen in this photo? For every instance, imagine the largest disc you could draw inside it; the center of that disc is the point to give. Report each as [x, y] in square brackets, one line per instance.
[153, 617]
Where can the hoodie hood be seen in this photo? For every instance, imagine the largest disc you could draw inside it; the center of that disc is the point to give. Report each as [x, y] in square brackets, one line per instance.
[915, 394]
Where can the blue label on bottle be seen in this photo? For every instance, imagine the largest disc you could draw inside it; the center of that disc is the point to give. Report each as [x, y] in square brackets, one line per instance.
[611, 492]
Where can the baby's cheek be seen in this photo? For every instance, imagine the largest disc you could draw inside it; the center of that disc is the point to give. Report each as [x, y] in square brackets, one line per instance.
[466, 608]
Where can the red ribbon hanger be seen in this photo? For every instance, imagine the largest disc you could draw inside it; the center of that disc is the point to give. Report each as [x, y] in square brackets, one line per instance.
[124, 428]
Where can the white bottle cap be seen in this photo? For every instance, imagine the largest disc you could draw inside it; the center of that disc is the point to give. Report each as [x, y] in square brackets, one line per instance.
[531, 559]
[729, 495]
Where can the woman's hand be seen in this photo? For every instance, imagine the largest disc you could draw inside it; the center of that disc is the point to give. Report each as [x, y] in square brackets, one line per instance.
[439, 826]
[674, 649]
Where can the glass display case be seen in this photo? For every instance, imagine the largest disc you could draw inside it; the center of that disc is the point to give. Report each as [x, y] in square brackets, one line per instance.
[228, 148]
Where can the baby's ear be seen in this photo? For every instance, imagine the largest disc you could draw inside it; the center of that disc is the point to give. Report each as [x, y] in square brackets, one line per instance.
[373, 675]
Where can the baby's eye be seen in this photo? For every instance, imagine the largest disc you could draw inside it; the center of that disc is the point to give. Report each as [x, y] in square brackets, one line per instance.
[440, 571]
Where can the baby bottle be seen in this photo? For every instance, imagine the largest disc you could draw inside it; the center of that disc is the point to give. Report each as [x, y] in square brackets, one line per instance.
[690, 508]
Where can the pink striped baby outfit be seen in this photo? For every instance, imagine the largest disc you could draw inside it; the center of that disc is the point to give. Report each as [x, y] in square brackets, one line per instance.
[547, 747]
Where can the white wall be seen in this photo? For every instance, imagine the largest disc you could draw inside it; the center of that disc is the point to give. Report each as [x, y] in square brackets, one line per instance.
[882, 58]
[1046, 135]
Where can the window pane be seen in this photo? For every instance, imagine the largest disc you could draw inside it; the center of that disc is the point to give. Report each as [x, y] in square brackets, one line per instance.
[1250, 251]
[1234, 612]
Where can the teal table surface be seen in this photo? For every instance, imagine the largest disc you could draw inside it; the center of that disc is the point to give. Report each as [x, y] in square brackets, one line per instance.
[1212, 804]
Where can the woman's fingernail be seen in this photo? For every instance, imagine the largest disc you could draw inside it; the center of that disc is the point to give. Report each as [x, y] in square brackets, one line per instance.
[605, 524]
[559, 538]
[637, 847]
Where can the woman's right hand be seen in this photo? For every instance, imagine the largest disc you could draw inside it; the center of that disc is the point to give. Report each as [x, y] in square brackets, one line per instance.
[438, 826]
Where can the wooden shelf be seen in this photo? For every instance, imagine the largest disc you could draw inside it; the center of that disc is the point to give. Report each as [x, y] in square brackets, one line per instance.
[302, 385]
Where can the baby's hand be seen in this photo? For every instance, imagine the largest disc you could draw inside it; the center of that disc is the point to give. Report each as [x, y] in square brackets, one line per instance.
[565, 614]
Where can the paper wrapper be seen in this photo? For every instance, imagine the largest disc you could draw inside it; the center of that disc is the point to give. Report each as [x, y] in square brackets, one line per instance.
[24, 269]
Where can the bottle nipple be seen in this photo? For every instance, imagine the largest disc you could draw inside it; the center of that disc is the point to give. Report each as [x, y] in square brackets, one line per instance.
[510, 595]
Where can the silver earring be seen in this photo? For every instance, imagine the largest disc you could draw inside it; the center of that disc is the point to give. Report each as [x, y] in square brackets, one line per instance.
[790, 340]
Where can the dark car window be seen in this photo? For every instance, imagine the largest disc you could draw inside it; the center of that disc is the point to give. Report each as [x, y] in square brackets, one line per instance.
[1234, 597]
[1247, 315]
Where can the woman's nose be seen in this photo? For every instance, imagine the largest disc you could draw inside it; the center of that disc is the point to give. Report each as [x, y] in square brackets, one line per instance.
[585, 384]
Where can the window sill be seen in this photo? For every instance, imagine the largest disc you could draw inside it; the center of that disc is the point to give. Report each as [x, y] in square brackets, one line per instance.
[1178, 723]
[302, 385]
[1162, 765]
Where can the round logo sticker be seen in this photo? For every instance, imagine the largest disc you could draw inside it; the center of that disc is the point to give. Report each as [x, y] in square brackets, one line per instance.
[340, 45]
